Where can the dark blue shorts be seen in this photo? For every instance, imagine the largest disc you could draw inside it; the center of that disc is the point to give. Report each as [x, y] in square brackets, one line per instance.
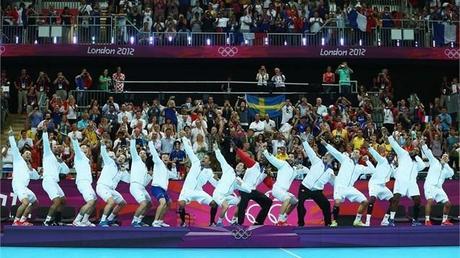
[159, 193]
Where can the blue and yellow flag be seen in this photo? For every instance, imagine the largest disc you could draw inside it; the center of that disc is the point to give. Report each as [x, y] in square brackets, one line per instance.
[265, 105]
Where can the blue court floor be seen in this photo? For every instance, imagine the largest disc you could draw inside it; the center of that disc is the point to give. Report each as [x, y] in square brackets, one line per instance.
[387, 252]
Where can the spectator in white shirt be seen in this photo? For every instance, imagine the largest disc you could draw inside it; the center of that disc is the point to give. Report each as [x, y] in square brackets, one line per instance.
[124, 112]
[257, 126]
[316, 23]
[24, 141]
[183, 120]
[221, 22]
[320, 108]
[75, 132]
[262, 76]
[269, 125]
[198, 129]
[110, 102]
[278, 79]
[287, 111]
[278, 142]
[245, 28]
[138, 119]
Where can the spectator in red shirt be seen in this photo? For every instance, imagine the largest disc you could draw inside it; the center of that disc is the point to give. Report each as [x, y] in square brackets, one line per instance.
[84, 80]
[119, 78]
[329, 76]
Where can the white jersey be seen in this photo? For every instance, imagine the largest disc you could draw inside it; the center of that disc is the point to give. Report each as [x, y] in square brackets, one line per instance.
[161, 173]
[437, 172]
[254, 176]
[382, 172]
[286, 173]
[21, 175]
[81, 164]
[228, 181]
[197, 176]
[51, 166]
[320, 174]
[138, 168]
[407, 168]
[349, 170]
[110, 174]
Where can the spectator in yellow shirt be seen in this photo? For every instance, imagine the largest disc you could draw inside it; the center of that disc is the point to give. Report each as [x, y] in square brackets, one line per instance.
[339, 131]
[281, 153]
[358, 140]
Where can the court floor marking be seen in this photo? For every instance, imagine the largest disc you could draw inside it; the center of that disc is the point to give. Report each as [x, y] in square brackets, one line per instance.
[290, 253]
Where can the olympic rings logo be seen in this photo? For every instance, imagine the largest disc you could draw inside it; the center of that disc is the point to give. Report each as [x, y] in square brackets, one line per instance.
[227, 51]
[241, 233]
[2, 50]
[452, 53]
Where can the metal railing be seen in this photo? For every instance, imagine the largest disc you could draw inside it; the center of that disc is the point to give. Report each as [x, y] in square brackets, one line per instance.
[117, 29]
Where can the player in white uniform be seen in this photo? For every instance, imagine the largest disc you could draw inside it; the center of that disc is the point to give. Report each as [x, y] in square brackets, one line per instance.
[224, 192]
[199, 174]
[438, 172]
[377, 184]
[344, 182]
[82, 165]
[22, 173]
[138, 182]
[112, 173]
[280, 191]
[409, 165]
[160, 181]
[312, 186]
[52, 167]
[253, 176]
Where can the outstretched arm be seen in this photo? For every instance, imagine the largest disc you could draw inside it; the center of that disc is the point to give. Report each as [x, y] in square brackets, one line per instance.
[395, 146]
[104, 154]
[46, 144]
[14, 148]
[155, 157]
[273, 160]
[133, 151]
[310, 153]
[428, 153]
[223, 163]
[245, 158]
[335, 153]
[76, 148]
[376, 155]
[189, 150]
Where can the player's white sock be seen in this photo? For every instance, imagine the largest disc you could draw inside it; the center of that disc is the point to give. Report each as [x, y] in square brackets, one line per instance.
[444, 217]
[427, 218]
[368, 218]
[78, 218]
[23, 219]
[48, 218]
[234, 219]
[16, 219]
[85, 218]
[392, 214]
[104, 217]
[386, 217]
[282, 217]
[135, 219]
[219, 220]
[141, 217]
[111, 216]
[358, 217]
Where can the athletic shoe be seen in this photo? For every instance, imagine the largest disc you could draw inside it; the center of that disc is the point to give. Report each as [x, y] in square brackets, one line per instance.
[113, 223]
[136, 224]
[212, 225]
[27, 224]
[49, 223]
[144, 224]
[17, 223]
[164, 225]
[415, 223]
[391, 223]
[358, 223]
[88, 223]
[447, 223]
[219, 224]
[368, 223]
[78, 224]
[428, 223]
[384, 223]
[282, 224]
[333, 224]
[156, 224]
[104, 224]
[183, 225]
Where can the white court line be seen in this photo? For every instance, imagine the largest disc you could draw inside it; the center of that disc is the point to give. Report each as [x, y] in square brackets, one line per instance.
[290, 253]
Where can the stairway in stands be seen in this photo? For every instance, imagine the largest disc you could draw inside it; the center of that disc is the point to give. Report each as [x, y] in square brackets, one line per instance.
[17, 122]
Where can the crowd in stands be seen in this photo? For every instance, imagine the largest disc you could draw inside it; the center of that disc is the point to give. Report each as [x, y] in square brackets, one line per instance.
[348, 126]
[232, 15]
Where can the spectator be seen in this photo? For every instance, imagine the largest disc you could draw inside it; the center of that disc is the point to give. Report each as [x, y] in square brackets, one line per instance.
[328, 76]
[262, 76]
[84, 121]
[83, 81]
[446, 121]
[257, 126]
[105, 80]
[344, 78]
[61, 85]
[278, 142]
[179, 158]
[269, 125]
[138, 119]
[167, 142]
[287, 111]
[25, 142]
[119, 78]
[320, 108]
[23, 85]
[278, 80]
[315, 23]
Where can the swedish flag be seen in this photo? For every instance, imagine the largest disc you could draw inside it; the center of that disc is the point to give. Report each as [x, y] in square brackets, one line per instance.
[265, 105]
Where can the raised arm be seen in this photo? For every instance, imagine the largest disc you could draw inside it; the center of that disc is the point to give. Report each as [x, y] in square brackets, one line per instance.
[245, 158]
[76, 148]
[189, 150]
[223, 163]
[273, 160]
[428, 153]
[376, 155]
[132, 149]
[14, 148]
[395, 146]
[63, 168]
[155, 157]
[334, 152]
[46, 144]
[105, 155]
[310, 153]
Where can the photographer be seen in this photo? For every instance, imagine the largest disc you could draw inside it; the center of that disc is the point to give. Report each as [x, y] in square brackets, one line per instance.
[61, 85]
[344, 79]
[262, 76]
[25, 142]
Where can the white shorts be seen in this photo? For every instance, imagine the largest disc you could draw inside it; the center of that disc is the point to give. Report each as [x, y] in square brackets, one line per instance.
[139, 193]
[23, 192]
[435, 193]
[86, 190]
[281, 194]
[408, 189]
[230, 199]
[53, 189]
[350, 193]
[106, 192]
[380, 191]
[199, 196]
